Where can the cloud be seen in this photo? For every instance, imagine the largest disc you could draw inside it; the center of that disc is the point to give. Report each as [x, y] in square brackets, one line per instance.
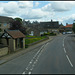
[59, 6]
[25, 4]
[10, 7]
[67, 19]
[47, 7]
[36, 4]
[24, 9]
[15, 9]
[62, 5]
[35, 14]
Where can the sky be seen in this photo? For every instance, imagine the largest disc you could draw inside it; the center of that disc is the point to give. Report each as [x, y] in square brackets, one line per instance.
[62, 11]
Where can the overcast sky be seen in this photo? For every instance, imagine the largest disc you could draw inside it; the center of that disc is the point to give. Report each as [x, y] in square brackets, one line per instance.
[62, 11]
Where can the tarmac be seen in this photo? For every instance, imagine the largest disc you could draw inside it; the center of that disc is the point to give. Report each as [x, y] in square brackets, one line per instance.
[13, 55]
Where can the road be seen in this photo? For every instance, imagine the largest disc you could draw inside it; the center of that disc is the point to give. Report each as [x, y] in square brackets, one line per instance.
[54, 57]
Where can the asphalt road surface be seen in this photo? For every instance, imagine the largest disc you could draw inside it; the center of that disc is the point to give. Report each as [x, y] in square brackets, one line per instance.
[54, 57]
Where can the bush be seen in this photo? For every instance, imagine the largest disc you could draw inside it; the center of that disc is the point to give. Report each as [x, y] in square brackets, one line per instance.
[26, 46]
[52, 34]
[31, 40]
[45, 34]
[30, 36]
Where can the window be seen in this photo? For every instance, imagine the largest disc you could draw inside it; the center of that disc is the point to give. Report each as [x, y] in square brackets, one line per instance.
[5, 24]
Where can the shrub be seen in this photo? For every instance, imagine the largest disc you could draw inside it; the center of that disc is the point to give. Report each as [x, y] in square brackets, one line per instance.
[26, 46]
[31, 40]
[52, 34]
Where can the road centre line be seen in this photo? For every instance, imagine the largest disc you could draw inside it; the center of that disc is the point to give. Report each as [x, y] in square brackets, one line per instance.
[23, 72]
[64, 50]
[63, 41]
[63, 44]
[38, 51]
[69, 60]
[33, 62]
[29, 73]
[67, 55]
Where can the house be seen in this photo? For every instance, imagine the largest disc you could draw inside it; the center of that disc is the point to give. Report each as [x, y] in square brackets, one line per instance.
[36, 30]
[68, 27]
[4, 23]
[14, 39]
[51, 26]
[61, 28]
[33, 31]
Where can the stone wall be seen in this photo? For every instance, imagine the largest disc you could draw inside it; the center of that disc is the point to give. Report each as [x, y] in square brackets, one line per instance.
[12, 45]
[3, 51]
[4, 41]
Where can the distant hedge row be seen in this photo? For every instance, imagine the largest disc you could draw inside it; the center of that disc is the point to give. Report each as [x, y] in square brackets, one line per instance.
[50, 34]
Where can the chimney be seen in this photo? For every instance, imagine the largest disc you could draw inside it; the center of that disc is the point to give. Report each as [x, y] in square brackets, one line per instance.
[51, 20]
[66, 24]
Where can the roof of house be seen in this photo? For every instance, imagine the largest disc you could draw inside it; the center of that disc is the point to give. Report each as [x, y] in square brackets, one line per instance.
[69, 25]
[15, 33]
[4, 19]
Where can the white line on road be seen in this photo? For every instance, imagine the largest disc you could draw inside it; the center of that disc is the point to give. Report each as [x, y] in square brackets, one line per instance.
[69, 60]
[63, 44]
[38, 51]
[63, 41]
[29, 73]
[32, 62]
[46, 44]
[23, 72]
[64, 50]
[27, 68]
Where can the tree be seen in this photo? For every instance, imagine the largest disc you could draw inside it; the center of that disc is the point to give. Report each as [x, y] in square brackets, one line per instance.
[73, 28]
[17, 25]
[18, 19]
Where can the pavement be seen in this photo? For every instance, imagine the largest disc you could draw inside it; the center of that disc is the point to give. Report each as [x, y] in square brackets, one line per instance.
[13, 55]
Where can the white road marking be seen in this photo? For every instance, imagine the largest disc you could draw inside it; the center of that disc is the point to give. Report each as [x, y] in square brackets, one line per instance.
[23, 72]
[31, 69]
[29, 73]
[27, 68]
[38, 52]
[67, 55]
[63, 41]
[63, 44]
[69, 60]
[32, 62]
[35, 62]
[64, 50]
[46, 44]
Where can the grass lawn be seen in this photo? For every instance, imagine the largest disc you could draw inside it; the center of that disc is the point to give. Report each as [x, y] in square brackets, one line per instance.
[31, 40]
